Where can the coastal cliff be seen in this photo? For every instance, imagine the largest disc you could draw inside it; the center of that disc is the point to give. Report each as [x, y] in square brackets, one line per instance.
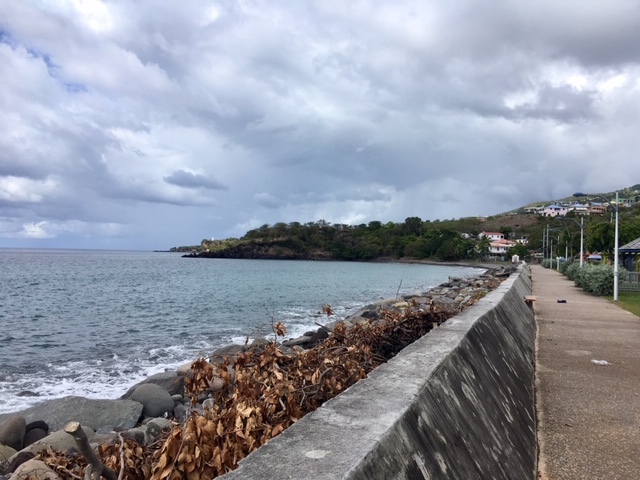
[265, 249]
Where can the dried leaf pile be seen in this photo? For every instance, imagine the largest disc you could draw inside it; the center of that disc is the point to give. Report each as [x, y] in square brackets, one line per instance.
[256, 395]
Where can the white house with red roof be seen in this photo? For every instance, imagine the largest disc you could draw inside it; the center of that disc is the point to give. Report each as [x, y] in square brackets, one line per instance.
[500, 247]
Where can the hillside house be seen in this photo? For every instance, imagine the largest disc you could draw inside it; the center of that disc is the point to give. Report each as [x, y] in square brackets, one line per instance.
[537, 210]
[580, 209]
[500, 247]
[596, 208]
[555, 210]
[491, 235]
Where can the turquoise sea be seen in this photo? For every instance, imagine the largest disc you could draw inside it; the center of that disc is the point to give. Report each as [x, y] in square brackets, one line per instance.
[93, 323]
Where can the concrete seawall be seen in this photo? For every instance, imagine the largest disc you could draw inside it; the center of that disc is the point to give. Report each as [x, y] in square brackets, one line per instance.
[456, 404]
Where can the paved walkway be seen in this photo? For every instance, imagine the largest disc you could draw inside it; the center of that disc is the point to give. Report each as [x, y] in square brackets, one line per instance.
[588, 414]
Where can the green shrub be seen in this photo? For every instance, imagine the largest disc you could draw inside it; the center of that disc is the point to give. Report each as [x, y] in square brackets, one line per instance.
[580, 276]
[565, 265]
[599, 279]
[546, 263]
[596, 279]
[571, 271]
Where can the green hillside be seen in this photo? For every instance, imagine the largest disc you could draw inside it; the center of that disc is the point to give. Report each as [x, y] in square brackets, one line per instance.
[439, 240]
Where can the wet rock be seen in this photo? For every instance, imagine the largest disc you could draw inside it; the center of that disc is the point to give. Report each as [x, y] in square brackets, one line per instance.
[28, 393]
[370, 314]
[216, 384]
[38, 424]
[445, 304]
[169, 381]
[317, 337]
[18, 459]
[296, 341]
[103, 438]
[58, 440]
[259, 343]
[138, 435]
[12, 432]
[355, 319]
[155, 427]
[287, 350]
[34, 470]
[6, 453]
[184, 370]
[155, 400]
[180, 413]
[92, 413]
[33, 435]
[228, 351]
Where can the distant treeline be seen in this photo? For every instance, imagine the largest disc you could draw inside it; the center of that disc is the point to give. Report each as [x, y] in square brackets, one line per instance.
[443, 240]
[414, 238]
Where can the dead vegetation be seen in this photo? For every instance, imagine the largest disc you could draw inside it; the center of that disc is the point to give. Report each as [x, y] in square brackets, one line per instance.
[256, 395]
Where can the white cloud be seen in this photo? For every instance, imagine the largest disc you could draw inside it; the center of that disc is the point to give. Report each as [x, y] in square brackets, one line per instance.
[94, 13]
[220, 118]
[25, 190]
[36, 230]
[50, 229]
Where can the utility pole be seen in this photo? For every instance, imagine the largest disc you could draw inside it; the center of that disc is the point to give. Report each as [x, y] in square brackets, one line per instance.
[616, 268]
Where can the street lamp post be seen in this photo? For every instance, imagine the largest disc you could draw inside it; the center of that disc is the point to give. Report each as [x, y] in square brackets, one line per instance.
[545, 242]
[581, 241]
[581, 225]
[550, 244]
[616, 268]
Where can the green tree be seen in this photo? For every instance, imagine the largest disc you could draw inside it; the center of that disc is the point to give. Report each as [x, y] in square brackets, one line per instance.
[601, 238]
[506, 231]
[413, 226]
[375, 225]
[519, 249]
[483, 247]
[415, 248]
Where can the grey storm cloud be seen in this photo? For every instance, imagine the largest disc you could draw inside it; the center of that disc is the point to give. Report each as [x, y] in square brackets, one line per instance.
[222, 116]
[194, 180]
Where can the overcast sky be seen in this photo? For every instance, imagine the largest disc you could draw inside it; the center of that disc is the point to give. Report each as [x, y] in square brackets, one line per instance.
[146, 124]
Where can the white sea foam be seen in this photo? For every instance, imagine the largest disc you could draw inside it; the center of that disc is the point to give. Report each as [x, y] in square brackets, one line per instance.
[129, 315]
[91, 379]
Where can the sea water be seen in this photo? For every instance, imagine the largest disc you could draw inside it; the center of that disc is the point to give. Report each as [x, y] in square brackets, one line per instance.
[93, 323]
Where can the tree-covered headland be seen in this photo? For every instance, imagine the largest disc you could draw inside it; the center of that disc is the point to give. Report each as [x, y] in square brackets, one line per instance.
[439, 240]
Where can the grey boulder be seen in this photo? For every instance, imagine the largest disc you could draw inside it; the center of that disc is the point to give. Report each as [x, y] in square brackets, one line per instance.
[34, 435]
[155, 427]
[170, 381]
[59, 440]
[6, 453]
[12, 432]
[155, 400]
[92, 413]
[35, 470]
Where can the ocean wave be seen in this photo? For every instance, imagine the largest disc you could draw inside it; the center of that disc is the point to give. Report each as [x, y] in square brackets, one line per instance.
[123, 316]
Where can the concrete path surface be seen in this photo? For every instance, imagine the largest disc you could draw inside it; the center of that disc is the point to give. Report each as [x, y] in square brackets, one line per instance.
[588, 414]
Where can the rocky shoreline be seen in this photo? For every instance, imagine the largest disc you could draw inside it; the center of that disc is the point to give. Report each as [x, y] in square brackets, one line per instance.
[154, 404]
